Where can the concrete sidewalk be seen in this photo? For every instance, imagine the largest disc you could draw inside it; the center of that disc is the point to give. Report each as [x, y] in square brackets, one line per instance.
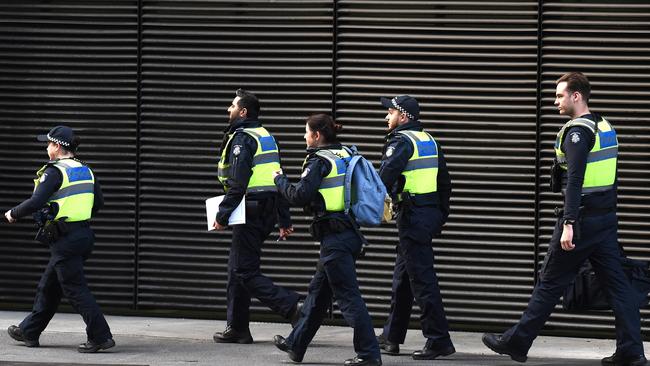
[171, 341]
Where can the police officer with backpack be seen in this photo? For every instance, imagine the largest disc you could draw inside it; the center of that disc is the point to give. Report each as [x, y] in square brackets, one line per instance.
[414, 171]
[66, 195]
[321, 191]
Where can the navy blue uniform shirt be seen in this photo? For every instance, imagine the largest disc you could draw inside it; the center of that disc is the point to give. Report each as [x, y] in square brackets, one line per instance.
[400, 149]
[305, 192]
[51, 181]
[578, 141]
[241, 171]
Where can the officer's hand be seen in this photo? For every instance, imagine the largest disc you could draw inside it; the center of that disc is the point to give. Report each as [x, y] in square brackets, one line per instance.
[284, 232]
[275, 174]
[566, 241]
[9, 218]
[218, 227]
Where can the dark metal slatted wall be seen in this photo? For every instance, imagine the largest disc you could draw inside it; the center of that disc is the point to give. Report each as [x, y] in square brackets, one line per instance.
[473, 68]
[195, 55]
[73, 63]
[610, 43]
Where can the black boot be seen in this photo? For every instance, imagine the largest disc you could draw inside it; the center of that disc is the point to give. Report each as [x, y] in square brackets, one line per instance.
[616, 360]
[231, 335]
[358, 361]
[430, 352]
[92, 347]
[282, 345]
[17, 334]
[496, 344]
[388, 346]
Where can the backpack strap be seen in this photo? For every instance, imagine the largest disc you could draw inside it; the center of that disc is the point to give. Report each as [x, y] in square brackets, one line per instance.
[347, 189]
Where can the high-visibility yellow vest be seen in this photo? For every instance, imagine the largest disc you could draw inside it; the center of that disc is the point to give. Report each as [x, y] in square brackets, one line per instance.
[76, 196]
[265, 161]
[600, 174]
[421, 171]
[332, 186]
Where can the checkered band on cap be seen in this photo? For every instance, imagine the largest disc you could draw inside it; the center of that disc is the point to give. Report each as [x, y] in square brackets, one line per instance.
[399, 108]
[57, 140]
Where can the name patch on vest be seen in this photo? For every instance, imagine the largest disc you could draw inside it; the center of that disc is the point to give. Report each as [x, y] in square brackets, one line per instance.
[267, 143]
[78, 173]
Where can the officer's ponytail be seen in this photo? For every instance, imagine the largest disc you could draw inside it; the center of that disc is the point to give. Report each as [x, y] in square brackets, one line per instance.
[324, 123]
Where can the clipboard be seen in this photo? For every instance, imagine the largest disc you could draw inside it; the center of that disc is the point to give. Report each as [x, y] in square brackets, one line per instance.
[237, 217]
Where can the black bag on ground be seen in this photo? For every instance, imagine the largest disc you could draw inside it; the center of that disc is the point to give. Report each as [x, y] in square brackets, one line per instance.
[587, 293]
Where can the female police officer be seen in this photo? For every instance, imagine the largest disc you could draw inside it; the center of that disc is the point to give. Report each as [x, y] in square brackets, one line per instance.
[320, 190]
[68, 194]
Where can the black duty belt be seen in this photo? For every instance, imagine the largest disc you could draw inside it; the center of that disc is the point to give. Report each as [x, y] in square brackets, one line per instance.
[423, 199]
[77, 224]
[587, 212]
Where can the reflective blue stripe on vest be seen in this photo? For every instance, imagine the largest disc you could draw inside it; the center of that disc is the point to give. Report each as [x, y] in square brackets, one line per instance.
[421, 164]
[602, 155]
[273, 157]
[332, 182]
[71, 190]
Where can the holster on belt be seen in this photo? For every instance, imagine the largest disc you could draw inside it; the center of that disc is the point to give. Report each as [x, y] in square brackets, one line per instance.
[327, 225]
[51, 231]
[406, 201]
[556, 177]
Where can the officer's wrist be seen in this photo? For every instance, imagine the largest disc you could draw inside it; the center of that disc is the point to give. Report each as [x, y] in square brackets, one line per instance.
[568, 222]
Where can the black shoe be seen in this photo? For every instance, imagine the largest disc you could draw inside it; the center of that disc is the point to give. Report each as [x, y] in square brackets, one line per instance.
[358, 361]
[388, 346]
[616, 360]
[92, 347]
[494, 342]
[232, 336]
[296, 313]
[430, 353]
[281, 343]
[17, 334]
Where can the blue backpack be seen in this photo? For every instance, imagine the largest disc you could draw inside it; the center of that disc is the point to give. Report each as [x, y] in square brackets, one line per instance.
[364, 191]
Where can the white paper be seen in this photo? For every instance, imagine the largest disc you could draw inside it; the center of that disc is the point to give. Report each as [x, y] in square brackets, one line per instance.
[237, 217]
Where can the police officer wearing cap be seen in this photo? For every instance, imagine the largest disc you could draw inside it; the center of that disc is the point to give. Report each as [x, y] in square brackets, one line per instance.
[249, 156]
[66, 196]
[320, 190]
[414, 171]
[586, 151]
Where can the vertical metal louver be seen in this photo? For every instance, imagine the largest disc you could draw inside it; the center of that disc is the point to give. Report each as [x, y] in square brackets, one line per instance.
[195, 54]
[473, 67]
[72, 63]
[610, 43]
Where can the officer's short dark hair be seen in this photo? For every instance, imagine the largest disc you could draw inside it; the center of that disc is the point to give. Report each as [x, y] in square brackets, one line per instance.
[324, 123]
[576, 82]
[249, 101]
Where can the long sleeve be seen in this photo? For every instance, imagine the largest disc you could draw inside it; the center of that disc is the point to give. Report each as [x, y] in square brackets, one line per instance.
[241, 154]
[305, 191]
[444, 184]
[576, 147]
[49, 183]
[394, 159]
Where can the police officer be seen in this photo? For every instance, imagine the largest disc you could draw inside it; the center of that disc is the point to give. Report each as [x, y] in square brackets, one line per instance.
[249, 155]
[414, 171]
[586, 153]
[67, 194]
[320, 191]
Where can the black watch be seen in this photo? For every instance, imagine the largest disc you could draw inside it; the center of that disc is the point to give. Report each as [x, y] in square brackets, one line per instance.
[568, 222]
